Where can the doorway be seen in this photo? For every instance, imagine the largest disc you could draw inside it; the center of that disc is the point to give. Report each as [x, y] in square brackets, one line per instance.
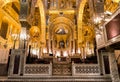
[106, 64]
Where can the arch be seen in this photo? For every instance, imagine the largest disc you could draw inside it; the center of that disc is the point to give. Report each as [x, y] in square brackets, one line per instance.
[58, 26]
[63, 27]
[43, 22]
[79, 22]
[61, 20]
[5, 2]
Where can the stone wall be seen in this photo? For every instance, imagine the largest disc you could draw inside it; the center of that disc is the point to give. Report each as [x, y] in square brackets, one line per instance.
[4, 53]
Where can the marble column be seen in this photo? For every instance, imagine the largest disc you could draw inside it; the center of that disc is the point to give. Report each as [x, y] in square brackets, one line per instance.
[100, 60]
[75, 46]
[24, 25]
[22, 38]
[50, 46]
[47, 45]
[23, 61]
[51, 4]
[72, 49]
[46, 4]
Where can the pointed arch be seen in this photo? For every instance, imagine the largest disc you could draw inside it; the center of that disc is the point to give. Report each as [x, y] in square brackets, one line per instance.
[43, 22]
[79, 22]
[61, 20]
[5, 2]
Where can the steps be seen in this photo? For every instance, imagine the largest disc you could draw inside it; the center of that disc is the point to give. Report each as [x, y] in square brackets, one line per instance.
[59, 79]
[62, 69]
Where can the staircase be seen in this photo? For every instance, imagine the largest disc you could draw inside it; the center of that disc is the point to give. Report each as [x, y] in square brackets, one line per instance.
[59, 79]
[62, 69]
[61, 72]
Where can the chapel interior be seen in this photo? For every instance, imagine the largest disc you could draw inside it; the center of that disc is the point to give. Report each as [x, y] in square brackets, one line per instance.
[60, 40]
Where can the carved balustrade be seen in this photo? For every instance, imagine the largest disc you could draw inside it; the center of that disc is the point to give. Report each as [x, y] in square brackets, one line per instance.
[85, 69]
[38, 69]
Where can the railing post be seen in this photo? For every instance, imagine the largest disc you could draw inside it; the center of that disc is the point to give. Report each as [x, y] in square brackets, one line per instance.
[50, 70]
[73, 68]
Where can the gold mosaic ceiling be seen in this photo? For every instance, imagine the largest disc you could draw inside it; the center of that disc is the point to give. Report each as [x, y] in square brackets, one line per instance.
[108, 5]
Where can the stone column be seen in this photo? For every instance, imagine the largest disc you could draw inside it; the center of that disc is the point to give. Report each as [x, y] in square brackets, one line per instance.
[71, 47]
[50, 46]
[40, 53]
[23, 20]
[22, 38]
[24, 25]
[70, 4]
[77, 3]
[47, 45]
[51, 4]
[46, 4]
[22, 61]
[10, 70]
[75, 46]
[56, 4]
